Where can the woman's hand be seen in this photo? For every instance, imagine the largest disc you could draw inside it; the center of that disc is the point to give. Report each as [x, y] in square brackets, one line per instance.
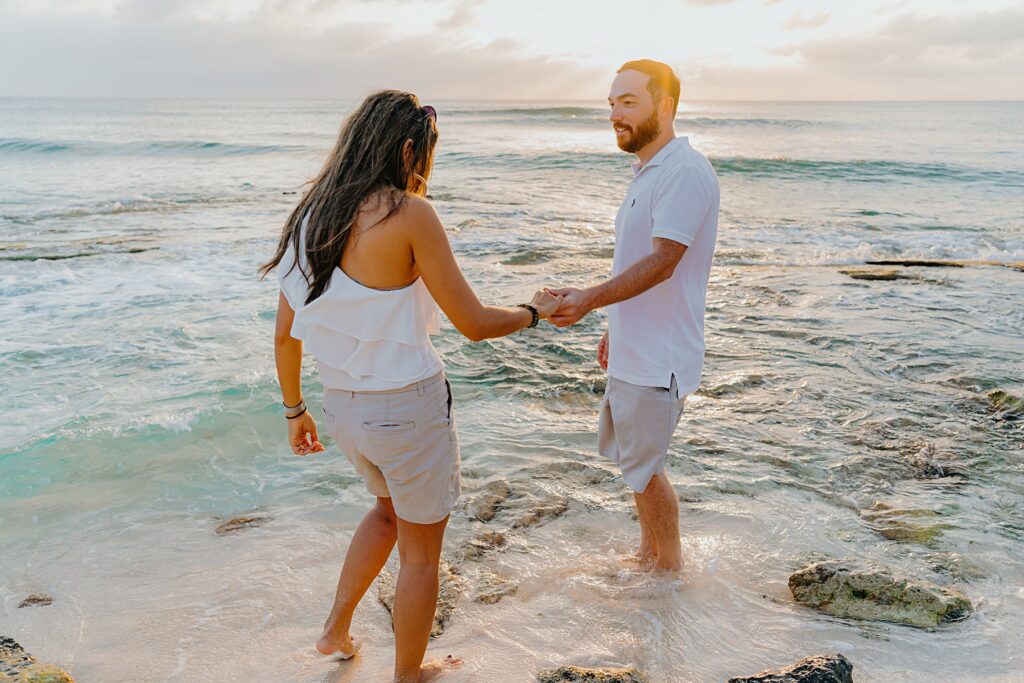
[302, 435]
[546, 304]
[602, 351]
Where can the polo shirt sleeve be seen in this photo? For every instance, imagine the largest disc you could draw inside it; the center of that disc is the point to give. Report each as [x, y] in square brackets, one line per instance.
[680, 205]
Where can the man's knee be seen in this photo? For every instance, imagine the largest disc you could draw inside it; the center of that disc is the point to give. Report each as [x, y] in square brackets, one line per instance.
[653, 484]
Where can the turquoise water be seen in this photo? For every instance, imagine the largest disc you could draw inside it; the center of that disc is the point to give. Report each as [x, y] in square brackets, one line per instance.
[142, 408]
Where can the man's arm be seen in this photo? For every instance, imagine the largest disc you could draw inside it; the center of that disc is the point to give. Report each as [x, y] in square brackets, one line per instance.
[637, 279]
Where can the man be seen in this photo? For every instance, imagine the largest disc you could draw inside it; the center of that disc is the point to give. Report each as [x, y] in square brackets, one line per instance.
[653, 348]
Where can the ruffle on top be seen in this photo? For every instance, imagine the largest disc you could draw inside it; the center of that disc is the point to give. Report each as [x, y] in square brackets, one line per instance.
[364, 339]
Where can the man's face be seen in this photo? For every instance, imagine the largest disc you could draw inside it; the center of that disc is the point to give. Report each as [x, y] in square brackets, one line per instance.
[633, 113]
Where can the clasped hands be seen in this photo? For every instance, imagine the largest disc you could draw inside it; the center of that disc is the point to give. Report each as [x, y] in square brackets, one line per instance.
[562, 307]
[576, 303]
[567, 305]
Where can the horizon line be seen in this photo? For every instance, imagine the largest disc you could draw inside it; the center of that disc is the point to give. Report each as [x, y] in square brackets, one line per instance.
[267, 98]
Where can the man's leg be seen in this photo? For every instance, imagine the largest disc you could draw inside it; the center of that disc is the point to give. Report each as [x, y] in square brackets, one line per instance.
[648, 544]
[369, 550]
[660, 506]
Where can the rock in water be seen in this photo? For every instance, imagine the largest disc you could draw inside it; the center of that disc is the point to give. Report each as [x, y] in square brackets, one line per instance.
[1006, 405]
[491, 588]
[820, 669]
[482, 544]
[236, 524]
[579, 674]
[876, 274]
[451, 587]
[577, 473]
[550, 508]
[18, 666]
[36, 600]
[485, 505]
[924, 463]
[904, 525]
[876, 595]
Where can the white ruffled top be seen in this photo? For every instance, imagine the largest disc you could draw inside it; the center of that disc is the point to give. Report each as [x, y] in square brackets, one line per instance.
[364, 339]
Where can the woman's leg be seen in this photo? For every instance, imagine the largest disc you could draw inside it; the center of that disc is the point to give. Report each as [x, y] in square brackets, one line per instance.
[369, 550]
[419, 550]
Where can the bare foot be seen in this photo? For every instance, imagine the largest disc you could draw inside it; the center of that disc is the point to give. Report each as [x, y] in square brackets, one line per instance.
[344, 647]
[645, 560]
[436, 668]
[666, 568]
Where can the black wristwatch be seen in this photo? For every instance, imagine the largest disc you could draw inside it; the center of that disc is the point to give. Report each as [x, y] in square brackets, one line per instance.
[533, 310]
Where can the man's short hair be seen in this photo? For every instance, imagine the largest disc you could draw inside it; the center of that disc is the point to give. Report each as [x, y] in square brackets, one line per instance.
[662, 81]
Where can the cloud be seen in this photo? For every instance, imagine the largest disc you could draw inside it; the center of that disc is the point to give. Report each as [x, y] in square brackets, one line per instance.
[977, 56]
[274, 52]
[446, 49]
[980, 36]
[799, 22]
[463, 16]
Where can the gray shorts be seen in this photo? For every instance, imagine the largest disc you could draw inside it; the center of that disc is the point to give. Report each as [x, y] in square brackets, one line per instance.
[635, 428]
[403, 443]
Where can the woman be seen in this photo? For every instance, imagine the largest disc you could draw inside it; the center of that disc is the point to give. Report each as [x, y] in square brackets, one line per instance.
[373, 258]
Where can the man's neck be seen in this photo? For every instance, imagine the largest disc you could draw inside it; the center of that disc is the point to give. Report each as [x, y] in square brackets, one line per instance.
[656, 145]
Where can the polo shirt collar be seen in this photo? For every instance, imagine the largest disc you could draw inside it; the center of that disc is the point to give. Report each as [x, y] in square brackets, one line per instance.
[663, 153]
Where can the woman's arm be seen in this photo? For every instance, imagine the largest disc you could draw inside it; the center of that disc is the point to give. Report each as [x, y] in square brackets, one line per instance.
[302, 434]
[444, 279]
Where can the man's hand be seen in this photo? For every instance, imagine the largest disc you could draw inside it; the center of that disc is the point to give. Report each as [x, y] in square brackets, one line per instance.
[575, 305]
[302, 435]
[602, 351]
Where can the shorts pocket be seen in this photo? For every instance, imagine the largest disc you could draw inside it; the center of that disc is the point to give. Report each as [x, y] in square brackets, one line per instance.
[388, 426]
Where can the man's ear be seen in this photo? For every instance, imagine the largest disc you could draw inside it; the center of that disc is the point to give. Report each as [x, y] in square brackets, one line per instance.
[666, 105]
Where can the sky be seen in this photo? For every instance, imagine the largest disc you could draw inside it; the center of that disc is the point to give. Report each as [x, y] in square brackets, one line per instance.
[512, 49]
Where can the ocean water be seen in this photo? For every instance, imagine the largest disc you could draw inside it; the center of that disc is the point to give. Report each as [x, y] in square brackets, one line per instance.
[141, 407]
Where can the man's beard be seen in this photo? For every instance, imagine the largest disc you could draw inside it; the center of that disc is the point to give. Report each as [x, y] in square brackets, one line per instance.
[644, 135]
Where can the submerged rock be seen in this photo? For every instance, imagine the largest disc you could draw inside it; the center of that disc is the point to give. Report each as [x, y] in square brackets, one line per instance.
[18, 666]
[236, 524]
[36, 600]
[480, 545]
[579, 674]
[735, 385]
[1007, 405]
[841, 590]
[487, 503]
[926, 263]
[939, 263]
[820, 669]
[877, 274]
[451, 587]
[905, 532]
[924, 463]
[956, 565]
[552, 507]
[491, 588]
[575, 472]
[898, 524]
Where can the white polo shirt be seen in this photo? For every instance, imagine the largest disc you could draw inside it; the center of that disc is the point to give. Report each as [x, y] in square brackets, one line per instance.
[660, 333]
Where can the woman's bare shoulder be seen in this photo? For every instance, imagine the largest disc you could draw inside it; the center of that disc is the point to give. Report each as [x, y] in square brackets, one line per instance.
[417, 215]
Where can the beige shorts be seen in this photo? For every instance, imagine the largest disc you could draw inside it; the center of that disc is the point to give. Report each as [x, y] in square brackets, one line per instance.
[403, 443]
[635, 428]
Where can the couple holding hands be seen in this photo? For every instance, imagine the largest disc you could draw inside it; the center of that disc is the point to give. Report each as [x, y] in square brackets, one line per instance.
[364, 263]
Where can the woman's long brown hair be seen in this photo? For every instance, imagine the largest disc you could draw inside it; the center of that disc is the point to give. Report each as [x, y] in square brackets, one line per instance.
[366, 159]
